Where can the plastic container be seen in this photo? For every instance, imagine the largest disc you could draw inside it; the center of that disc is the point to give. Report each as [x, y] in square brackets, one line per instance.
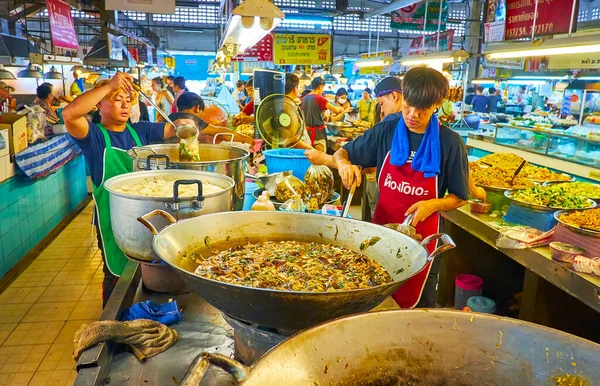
[565, 252]
[466, 286]
[249, 200]
[479, 207]
[282, 160]
[481, 304]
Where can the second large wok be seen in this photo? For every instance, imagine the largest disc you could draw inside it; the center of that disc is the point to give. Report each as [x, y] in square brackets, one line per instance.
[400, 255]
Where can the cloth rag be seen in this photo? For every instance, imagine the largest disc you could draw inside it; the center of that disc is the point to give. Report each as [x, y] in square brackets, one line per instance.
[146, 338]
[427, 157]
[167, 313]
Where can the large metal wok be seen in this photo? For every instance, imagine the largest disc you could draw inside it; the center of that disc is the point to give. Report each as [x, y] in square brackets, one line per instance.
[419, 347]
[400, 255]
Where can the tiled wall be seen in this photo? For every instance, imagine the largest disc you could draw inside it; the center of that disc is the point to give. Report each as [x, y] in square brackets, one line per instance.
[30, 209]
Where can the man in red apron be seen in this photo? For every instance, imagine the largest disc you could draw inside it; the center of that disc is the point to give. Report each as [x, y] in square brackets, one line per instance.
[104, 147]
[418, 162]
[313, 105]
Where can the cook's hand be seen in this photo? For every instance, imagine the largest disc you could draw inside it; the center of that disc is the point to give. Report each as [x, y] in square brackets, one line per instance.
[121, 81]
[422, 210]
[316, 157]
[183, 121]
[480, 193]
[348, 109]
[349, 173]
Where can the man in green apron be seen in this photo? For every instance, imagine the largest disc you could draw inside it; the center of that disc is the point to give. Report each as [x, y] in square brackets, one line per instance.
[104, 146]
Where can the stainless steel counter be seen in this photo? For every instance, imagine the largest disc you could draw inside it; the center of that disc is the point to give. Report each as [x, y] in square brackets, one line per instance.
[203, 329]
[584, 287]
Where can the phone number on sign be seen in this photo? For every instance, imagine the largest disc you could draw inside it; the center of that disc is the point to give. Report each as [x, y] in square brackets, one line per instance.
[518, 32]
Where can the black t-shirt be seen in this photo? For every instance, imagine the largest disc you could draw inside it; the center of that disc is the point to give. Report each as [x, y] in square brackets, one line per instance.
[371, 149]
[200, 124]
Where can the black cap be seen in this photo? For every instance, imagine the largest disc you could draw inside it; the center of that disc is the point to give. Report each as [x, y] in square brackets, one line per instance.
[189, 100]
[367, 90]
[387, 85]
[316, 82]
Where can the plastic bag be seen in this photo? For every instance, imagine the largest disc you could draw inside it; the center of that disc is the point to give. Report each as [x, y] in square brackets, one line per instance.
[289, 187]
[36, 123]
[319, 183]
[293, 205]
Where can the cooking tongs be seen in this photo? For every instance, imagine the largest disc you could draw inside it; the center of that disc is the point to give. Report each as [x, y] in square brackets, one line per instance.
[184, 131]
[405, 227]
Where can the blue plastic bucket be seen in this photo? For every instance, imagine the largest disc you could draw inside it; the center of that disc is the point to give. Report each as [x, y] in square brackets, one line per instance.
[281, 160]
[249, 200]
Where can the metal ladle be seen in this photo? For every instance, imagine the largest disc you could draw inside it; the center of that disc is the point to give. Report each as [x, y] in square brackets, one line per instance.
[185, 131]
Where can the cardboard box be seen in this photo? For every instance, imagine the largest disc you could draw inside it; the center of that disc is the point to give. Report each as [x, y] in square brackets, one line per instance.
[4, 164]
[17, 131]
[4, 142]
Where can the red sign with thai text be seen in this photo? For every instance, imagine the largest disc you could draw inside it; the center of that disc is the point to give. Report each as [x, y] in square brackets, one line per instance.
[62, 27]
[261, 52]
[553, 17]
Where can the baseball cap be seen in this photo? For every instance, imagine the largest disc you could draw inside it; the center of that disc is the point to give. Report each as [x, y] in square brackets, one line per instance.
[387, 85]
[367, 90]
[316, 82]
[5, 86]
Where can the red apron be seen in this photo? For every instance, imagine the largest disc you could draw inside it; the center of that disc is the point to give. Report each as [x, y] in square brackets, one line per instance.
[399, 188]
[312, 131]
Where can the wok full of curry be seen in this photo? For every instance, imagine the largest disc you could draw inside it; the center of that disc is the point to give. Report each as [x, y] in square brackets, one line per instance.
[277, 293]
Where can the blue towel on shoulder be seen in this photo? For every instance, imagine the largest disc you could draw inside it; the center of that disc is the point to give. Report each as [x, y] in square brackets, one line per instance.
[166, 314]
[427, 158]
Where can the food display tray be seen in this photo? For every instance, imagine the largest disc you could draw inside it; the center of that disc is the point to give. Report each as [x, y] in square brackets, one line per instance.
[576, 229]
[541, 208]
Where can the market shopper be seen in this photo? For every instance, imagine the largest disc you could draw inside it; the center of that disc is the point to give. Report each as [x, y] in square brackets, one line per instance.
[239, 95]
[418, 162]
[480, 102]
[163, 97]
[179, 88]
[494, 98]
[5, 91]
[247, 113]
[341, 100]
[366, 107]
[314, 105]
[104, 147]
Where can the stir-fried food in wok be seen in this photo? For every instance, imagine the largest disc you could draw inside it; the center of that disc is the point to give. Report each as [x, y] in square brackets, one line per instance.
[583, 219]
[552, 196]
[495, 177]
[293, 266]
[585, 189]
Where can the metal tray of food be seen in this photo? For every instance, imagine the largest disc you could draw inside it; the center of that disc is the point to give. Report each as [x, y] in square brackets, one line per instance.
[597, 199]
[541, 208]
[575, 228]
[571, 179]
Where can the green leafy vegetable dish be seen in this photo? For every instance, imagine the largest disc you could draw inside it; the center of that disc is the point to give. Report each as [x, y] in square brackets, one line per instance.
[584, 189]
[553, 196]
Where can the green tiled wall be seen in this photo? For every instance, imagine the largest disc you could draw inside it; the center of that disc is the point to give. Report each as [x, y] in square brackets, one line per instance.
[30, 209]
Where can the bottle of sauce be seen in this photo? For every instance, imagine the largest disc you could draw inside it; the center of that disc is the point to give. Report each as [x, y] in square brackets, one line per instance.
[263, 203]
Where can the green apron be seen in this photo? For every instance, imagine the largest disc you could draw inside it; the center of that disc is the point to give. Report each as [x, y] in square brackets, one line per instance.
[116, 162]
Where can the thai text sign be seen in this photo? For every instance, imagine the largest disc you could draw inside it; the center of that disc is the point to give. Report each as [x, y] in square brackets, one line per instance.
[302, 49]
[412, 17]
[62, 27]
[553, 17]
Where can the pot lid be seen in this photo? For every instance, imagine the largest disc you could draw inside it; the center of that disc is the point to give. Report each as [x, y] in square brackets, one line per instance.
[279, 121]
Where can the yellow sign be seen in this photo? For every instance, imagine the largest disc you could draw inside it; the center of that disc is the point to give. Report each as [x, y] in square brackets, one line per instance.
[574, 62]
[302, 49]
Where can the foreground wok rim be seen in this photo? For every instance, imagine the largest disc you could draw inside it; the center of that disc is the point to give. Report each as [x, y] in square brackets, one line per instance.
[303, 293]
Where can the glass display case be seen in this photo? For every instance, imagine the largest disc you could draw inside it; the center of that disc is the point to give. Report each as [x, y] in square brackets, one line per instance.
[561, 145]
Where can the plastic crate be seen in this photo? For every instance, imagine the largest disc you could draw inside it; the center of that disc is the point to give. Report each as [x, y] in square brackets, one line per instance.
[281, 160]
[543, 221]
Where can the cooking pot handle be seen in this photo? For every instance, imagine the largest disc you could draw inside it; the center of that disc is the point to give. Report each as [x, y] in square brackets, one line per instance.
[195, 372]
[199, 198]
[446, 244]
[158, 157]
[145, 219]
[219, 134]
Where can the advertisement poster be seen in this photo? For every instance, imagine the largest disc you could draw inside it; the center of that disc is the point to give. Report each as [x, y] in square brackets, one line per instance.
[377, 70]
[115, 47]
[412, 17]
[261, 52]
[553, 17]
[431, 43]
[494, 20]
[302, 49]
[62, 27]
[512, 64]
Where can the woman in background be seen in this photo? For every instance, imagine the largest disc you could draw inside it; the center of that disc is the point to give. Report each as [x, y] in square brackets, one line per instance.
[164, 99]
[179, 88]
[341, 100]
[44, 99]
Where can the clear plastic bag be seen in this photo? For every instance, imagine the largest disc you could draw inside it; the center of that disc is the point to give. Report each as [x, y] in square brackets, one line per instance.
[289, 187]
[319, 183]
[293, 205]
[36, 123]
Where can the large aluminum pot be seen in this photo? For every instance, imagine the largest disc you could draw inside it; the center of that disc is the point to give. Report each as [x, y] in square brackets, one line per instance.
[419, 347]
[400, 255]
[226, 160]
[131, 236]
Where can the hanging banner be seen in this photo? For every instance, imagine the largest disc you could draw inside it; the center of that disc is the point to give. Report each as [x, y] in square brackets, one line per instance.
[261, 52]
[431, 43]
[494, 20]
[62, 27]
[412, 17]
[512, 64]
[574, 62]
[307, 49]
[115, 47]
[134, 54]
[147, 6]
[553, 17]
